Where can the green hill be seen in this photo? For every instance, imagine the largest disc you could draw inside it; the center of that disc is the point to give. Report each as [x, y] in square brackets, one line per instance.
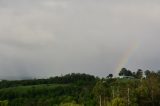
[82, 90]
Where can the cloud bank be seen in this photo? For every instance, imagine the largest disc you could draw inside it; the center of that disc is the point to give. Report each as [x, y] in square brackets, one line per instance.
[43, 38]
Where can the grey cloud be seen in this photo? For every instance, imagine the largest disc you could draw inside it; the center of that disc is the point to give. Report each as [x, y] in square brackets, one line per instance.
[42, 38]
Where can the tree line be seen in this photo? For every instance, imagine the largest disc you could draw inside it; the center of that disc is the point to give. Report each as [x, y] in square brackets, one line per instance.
[137, 89]
[66, 79]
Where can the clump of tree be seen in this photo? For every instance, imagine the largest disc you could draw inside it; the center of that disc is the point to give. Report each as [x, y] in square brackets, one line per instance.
[133, 90]
[125, 72]
[110, 76]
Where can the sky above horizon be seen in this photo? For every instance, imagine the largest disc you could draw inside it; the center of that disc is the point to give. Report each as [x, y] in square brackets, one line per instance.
[43, 38]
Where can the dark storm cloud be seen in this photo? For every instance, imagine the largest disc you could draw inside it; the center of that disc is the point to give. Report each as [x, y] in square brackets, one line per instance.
[40, 38]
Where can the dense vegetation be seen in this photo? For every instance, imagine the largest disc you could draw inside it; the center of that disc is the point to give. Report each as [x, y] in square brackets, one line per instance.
[133, 89]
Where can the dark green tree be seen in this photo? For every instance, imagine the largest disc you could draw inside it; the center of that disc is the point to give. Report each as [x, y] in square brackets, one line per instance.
[125, 72]
[110, 76]
[147, 72]
[139, 74]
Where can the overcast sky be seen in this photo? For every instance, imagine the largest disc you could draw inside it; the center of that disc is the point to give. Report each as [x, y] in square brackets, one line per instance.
[43, 38]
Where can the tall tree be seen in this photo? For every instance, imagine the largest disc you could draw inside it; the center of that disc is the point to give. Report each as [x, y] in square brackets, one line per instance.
[139, 74]
[152, 85]
[99, 90]
[125, 72]
[147, 72]
[110, 76]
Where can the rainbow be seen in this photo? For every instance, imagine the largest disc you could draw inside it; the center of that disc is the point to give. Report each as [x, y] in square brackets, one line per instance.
[126, 56]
